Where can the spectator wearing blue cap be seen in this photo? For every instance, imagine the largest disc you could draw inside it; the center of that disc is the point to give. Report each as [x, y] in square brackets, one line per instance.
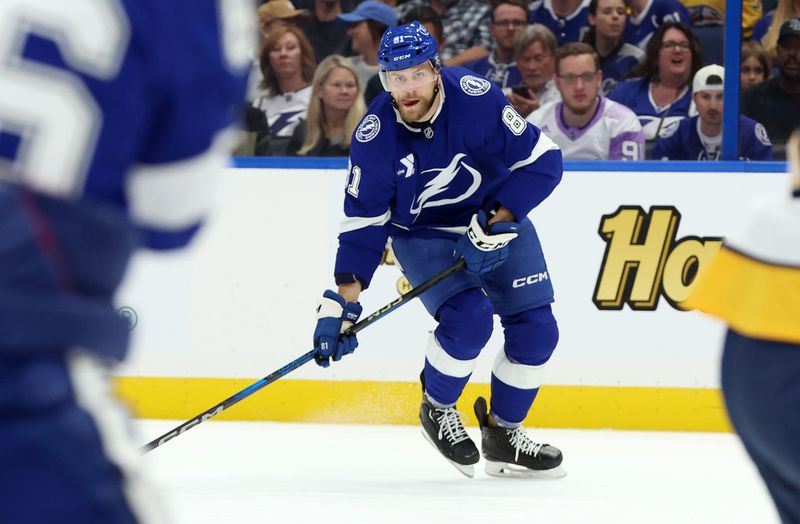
[366, 26]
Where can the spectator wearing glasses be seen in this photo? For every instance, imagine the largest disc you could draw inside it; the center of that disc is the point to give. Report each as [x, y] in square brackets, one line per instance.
[700, 137]
[466, 28]
[617, 57]
[754, 67]
[661, 95]
[646, 16]
[776, 102]
[508, 18]
[585, 125]
[567, 19]
[534, 52]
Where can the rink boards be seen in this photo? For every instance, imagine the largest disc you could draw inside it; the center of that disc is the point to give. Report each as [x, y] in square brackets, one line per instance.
[623, 246]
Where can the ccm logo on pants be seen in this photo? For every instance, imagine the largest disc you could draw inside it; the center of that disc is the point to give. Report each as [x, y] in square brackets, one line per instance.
[532, 279]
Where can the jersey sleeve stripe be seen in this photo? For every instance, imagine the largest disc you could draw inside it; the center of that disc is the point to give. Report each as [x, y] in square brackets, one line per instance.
[354, 223]
[543, 145]
[176, 195]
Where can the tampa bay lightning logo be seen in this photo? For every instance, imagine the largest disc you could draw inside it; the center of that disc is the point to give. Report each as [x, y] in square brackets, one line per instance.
[474, 86]
[368, 129]
[761, 132]
[441, 183]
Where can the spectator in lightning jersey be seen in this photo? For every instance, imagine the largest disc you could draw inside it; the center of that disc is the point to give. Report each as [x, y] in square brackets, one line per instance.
[587, 126]
[287, 63]
[115, 128]
[648, 15]
[661, 96]
[617, 57]
[567, 19]
[700, 137]
[508, 18]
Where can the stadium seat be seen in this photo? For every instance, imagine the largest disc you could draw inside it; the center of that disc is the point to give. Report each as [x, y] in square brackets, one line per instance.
[711, 42]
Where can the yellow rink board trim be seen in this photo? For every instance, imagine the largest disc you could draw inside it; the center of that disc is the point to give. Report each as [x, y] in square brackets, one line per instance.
[357, 402]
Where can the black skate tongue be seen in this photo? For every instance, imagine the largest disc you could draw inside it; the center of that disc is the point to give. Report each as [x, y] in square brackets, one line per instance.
[481, 412]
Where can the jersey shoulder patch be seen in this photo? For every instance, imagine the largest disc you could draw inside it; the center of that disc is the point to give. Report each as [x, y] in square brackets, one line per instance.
[368, 129]
[474, 85]
[761, 134]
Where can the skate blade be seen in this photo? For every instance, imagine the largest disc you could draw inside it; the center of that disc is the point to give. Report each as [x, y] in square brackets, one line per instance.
[506, 470]
[467, 470]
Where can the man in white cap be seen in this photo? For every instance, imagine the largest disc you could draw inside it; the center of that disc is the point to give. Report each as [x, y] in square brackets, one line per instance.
[700, 137]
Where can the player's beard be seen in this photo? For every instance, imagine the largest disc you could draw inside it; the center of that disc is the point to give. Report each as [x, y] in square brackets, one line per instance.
[415, 113]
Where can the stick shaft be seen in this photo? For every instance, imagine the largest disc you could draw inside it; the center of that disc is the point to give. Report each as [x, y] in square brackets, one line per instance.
[291, 366]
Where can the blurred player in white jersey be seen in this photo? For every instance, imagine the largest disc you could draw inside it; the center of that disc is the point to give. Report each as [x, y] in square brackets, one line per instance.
[585, 125]
[753, 284]
[114, 118]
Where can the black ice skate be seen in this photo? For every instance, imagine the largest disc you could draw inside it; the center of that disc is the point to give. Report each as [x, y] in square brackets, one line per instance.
[510, 453]
[445, 431]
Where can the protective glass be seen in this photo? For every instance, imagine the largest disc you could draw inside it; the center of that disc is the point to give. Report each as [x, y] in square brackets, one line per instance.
[408, 79]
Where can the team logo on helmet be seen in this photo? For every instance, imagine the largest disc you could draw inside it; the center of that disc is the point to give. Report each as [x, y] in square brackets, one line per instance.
[474, 86]
[368, 128]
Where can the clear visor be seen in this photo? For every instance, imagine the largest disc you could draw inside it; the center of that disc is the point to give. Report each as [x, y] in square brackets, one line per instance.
[408, 79]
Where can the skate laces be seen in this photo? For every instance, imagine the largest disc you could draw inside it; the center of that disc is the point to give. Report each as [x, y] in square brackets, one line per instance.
[522, 444]
[450, 425]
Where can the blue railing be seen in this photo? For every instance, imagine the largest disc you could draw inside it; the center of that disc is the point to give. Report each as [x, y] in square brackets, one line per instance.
[732, 51]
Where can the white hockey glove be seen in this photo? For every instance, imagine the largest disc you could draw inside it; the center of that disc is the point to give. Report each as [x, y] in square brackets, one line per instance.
[484, 249]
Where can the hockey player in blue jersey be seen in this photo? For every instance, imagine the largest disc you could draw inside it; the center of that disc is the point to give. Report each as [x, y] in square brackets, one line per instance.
[700, 137]
[113, 125]
[445, 167]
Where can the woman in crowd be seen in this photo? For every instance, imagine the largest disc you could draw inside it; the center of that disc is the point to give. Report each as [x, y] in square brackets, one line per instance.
[334, 111]
[607, 22]
[754, 65]
[287, 63]
[661, 95]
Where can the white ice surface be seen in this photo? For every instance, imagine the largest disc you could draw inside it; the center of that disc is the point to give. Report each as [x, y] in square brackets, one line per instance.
[232, 472]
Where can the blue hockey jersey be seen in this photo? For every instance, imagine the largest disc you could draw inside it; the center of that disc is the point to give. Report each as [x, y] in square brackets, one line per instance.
[618, 64]
[503, 75]
[685, 142]
[567, 29]
[640, 29]
[429, 180]
[635, 93]
[114, 123]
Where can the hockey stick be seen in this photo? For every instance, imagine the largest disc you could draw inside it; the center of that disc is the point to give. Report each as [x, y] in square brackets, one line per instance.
[291, 366]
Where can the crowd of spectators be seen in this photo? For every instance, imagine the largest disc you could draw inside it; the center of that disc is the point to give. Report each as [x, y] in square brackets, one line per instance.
[605, 79]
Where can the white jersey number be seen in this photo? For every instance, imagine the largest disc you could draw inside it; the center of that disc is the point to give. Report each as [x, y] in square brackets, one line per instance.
[51, 109]
[630, 150]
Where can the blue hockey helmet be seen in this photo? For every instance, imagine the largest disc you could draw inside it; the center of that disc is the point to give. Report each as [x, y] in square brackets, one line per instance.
[407, 46]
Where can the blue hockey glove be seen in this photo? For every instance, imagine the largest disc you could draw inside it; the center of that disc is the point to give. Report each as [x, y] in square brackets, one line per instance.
[484, 249]
[334, 316]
